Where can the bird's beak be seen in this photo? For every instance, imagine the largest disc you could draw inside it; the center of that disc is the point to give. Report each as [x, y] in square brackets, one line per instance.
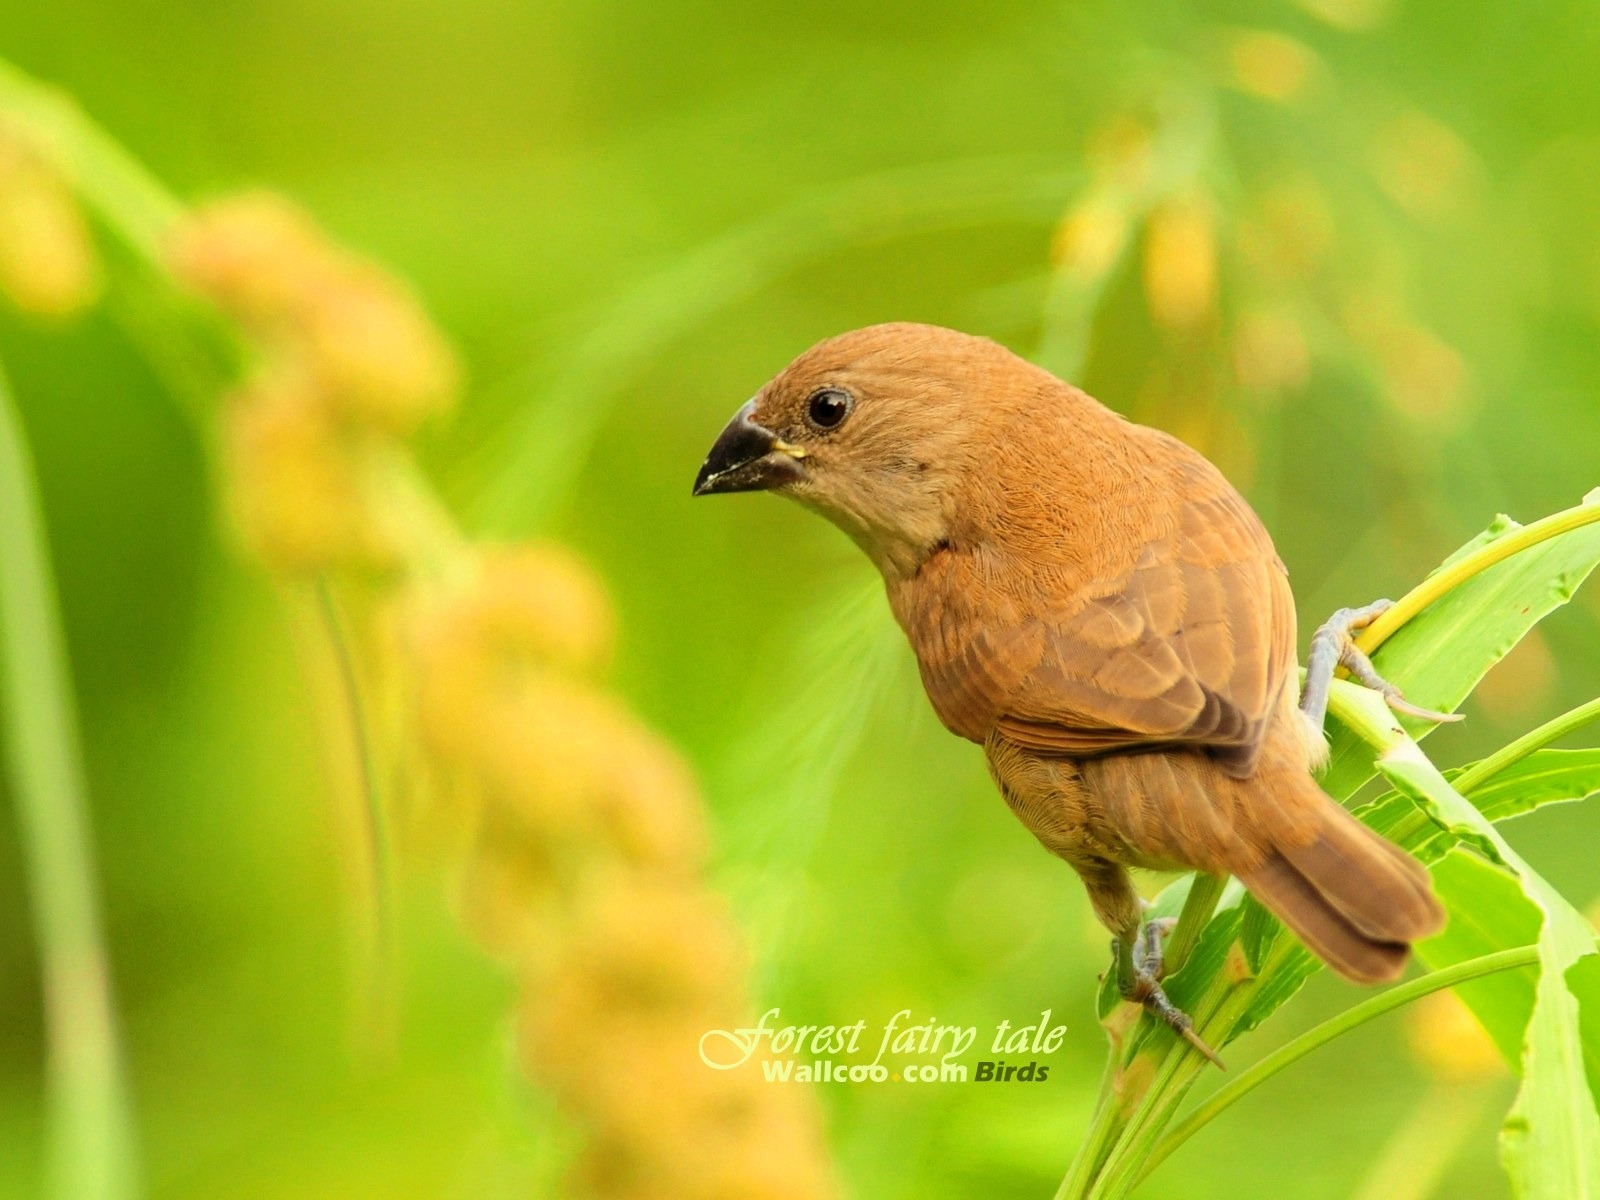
[747, 457]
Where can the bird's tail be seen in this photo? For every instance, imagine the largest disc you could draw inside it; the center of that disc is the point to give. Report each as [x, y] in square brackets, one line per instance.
[1353, 897]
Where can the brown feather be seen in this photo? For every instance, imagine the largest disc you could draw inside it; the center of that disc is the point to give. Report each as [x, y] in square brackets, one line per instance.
[1095, 604]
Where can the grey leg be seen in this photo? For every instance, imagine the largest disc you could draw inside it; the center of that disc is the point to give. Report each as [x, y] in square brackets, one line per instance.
[1138, 967]
[1332, 647]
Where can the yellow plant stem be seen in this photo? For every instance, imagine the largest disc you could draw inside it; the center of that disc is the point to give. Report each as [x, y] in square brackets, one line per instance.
[1447, 579]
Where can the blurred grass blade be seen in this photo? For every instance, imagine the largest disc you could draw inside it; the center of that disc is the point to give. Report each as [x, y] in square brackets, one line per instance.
[552, 441]
[847, 661]
[1440, 655]
[1551, 1139]
[111, 180]
[92, 1143]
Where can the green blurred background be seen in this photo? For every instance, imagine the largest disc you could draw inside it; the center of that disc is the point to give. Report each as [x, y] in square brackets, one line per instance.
[628, 215]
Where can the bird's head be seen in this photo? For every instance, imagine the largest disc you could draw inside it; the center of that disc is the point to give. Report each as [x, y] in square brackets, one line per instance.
[877, 429]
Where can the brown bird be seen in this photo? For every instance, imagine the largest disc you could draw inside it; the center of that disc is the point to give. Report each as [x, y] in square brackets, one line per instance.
[1091, 602]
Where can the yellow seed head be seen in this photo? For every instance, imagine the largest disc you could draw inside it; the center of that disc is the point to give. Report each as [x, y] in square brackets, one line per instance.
[1447, 1039]
[373, 352]
[1180, 264]
[1119, 149]
[1270, 352]
[511, 897]
[1271, 65]
[542, 601]
[296, 483]
[256, 256]
[645, 963]
[1090, 237]
[47, 258]
[358, 334]
[523, 610]
[1291, 232]
[1422, 164]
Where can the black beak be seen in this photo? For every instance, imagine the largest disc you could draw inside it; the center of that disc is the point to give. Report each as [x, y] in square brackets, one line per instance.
[748, 458]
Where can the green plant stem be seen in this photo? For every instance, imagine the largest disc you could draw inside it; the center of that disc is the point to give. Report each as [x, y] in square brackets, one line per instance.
[1226, 1002]
[380, 985]
[92, 1156]
[1110, 1115]
[1198, 905]
[1481, 772]
[1396, 997]
[1104, 1127]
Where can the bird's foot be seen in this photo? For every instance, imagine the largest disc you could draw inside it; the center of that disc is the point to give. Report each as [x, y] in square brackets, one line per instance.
[1139, 972]
[1148, 950]
[1332, 647]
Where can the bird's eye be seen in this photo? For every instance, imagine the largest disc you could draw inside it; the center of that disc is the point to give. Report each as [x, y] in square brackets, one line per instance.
[828, 408]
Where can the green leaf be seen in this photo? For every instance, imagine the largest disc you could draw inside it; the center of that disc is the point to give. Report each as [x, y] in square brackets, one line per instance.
[1438, 657]
[1551, 1139]
[1544, 777]
[1488, 912]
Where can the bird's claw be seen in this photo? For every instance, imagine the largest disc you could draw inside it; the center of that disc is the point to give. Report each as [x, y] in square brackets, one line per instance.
[1332, 647]
[1139, 974]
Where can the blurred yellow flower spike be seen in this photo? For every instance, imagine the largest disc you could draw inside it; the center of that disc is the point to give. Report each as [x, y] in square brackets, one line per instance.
[1180, 262]
[297, 483]
[1289, 232]
[48, 264]
[1090, 237]
[584, 875]
[1270, 353]
[649, 966]
[358, 333]
[585, 835]
[1446, 1038]
[1353, 16]
[1421, 375]
[1270, 65]
[1423, 165]
[1119, 149]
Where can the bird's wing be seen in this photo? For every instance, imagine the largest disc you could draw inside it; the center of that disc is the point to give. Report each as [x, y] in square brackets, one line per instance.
[1188, 646]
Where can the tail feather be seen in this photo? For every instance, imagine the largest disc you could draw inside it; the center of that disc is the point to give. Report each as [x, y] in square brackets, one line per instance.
[1356, 899]
[1295, 901]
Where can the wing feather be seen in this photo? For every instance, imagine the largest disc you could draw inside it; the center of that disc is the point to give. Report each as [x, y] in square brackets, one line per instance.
[1190, 644]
